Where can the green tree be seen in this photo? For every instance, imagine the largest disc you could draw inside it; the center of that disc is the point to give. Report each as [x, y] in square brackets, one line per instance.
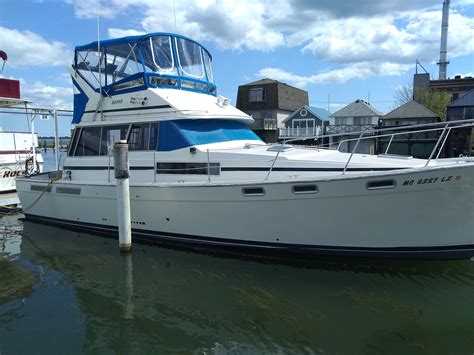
[436, 101]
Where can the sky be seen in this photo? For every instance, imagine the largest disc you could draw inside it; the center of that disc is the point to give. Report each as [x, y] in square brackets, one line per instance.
[337, 50]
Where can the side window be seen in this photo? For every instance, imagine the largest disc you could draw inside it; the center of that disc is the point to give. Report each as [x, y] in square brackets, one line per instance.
[89, 142]
[143, 136]
[110, 135]
[256, 95]
[73, 143]
[139, 137]
[154, 136]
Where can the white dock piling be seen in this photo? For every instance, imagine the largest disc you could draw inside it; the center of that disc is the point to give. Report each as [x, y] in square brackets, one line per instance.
[123, 195]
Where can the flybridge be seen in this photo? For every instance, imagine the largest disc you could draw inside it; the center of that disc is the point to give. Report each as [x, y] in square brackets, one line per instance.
[136, 63]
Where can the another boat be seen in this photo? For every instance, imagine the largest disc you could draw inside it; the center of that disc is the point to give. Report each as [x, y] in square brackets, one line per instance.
[200, 176]
[18, 156]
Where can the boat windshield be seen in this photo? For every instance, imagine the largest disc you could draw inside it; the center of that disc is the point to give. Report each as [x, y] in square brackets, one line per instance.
[158, 55]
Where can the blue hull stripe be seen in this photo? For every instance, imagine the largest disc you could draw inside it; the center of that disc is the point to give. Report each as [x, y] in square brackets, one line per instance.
[438, 252]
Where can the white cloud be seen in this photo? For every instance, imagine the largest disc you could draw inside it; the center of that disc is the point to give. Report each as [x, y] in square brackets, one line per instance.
[341, 30]
[25, 48]
[88, 8]
[117, 32]
[47, 96]
[342, 75]
[360, 39]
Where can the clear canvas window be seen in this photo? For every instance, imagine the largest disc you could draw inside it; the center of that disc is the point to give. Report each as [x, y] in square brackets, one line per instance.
[190, 58]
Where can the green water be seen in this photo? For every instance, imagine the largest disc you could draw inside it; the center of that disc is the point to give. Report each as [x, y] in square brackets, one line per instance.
[64, 292]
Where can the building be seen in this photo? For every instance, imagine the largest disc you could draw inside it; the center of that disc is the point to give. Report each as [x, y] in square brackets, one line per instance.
[461, 141]
[419, 144]
[358, 116]
[456, 87]
[269, 102]
[305, 122]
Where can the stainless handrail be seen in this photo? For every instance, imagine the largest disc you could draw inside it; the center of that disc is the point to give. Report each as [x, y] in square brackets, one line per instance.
[413, 129]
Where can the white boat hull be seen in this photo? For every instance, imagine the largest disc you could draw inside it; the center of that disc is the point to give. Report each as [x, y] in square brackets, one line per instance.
[11, 169]
[428, 213]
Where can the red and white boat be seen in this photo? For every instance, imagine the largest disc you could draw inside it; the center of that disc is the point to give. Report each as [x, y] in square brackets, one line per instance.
[18, 154]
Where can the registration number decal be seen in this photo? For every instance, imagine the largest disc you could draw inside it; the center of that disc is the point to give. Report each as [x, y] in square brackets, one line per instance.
[432, 180]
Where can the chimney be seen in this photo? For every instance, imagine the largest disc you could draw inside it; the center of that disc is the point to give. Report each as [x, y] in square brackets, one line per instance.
[443, 62]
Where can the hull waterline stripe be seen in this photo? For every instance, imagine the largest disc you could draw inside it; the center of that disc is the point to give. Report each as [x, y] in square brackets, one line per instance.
[434, 252]
[133, 108]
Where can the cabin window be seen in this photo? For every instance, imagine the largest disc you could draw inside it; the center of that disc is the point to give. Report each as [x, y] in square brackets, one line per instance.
[139, 137]
[305, 189]
[190, 58]
[256, 95]
[110, 135]
[381, 184]
[89, 143]
[154, 136]
[75, 137]
[253, 191]
[188, 168]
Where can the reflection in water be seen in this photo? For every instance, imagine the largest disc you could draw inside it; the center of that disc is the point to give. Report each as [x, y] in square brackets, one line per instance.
[167, 301]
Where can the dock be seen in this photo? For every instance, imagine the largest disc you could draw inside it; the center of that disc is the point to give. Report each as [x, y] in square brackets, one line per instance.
[8, 202]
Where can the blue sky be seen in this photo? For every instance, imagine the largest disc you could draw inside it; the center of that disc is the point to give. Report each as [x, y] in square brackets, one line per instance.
[339, 50]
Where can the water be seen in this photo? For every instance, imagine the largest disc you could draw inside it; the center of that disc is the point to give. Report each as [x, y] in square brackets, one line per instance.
[66, 292]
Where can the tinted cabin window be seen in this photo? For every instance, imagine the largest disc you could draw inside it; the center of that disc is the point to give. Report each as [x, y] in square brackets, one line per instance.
[89, 142]
[75, 138]
[110, 135]
[153, 136]
[188, 168]
[139, 137]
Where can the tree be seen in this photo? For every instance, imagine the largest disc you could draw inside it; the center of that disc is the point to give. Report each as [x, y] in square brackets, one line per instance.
[436, 101]
[403, 94]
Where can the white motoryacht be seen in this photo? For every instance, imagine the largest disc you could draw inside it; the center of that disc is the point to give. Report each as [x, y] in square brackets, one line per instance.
[199, 175]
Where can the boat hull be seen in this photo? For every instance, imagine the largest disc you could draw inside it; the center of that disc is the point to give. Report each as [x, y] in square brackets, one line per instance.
[427, 213]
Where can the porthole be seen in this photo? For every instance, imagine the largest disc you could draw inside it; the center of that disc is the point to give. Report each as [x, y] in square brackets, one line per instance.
[303, 113]
[381, 184]
[253, 191]
[305, 189]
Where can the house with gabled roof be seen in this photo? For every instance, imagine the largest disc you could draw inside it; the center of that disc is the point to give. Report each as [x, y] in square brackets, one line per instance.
[269, 102]
[307, 121]
[358, 116]
[419, 144]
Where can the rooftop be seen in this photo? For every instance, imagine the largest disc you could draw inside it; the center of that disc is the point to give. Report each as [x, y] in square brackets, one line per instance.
[411, 109]
[358, 108]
